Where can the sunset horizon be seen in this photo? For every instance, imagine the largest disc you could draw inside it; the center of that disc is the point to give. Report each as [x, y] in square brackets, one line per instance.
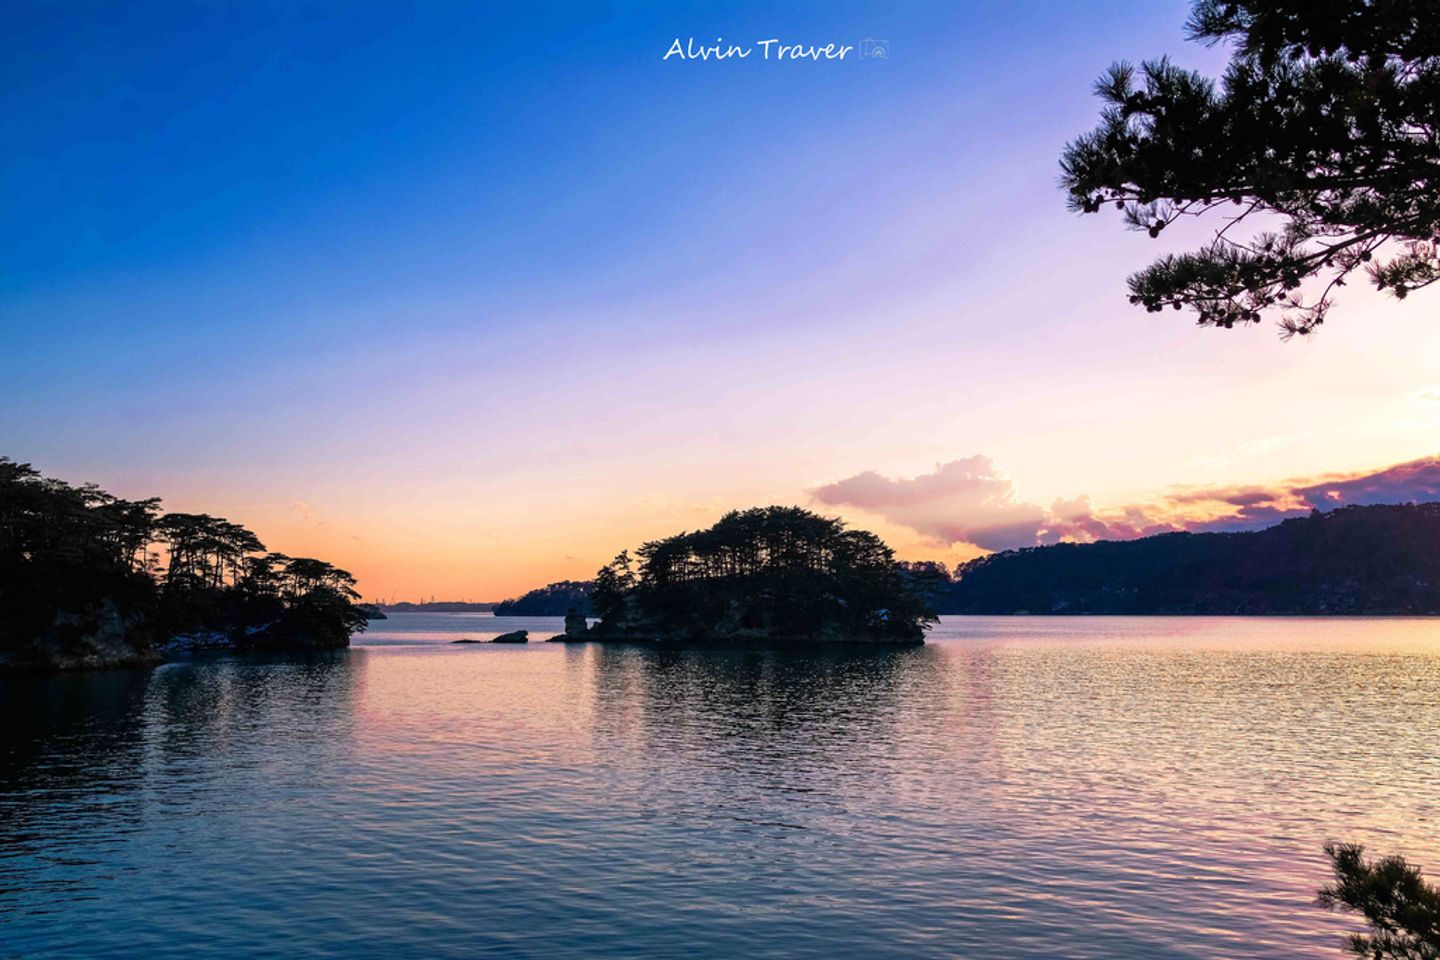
[953, 513]
[554, 397]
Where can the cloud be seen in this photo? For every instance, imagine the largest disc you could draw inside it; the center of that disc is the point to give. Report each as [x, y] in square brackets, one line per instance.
[1417, 481]
[971, 501]
[966, 501]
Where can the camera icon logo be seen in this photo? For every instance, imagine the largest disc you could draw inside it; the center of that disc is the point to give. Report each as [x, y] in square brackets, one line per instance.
[872, 49]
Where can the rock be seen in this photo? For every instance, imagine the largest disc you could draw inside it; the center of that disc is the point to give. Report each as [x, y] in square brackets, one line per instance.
[196, 641]
[575, 625]
[297, 629]
[518, 636]
[104, 636]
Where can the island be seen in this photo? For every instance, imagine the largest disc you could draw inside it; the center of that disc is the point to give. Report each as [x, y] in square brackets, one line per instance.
[552, 600]
[90, 580]
[767, 574]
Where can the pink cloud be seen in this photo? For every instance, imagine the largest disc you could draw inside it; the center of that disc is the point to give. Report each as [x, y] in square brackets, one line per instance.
[1417, 481]
[966, 501]
[972, 501]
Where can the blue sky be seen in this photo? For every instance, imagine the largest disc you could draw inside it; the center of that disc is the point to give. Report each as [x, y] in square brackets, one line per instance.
[480, 274]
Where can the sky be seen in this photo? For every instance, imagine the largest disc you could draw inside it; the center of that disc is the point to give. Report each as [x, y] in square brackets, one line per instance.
[468, 297]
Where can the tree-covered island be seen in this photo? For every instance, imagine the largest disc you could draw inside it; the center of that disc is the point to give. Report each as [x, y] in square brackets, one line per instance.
[88, 579]
[551, 600]
[776, 574]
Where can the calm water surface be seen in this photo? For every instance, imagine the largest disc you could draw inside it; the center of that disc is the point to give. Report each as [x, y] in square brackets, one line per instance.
[1019, 787]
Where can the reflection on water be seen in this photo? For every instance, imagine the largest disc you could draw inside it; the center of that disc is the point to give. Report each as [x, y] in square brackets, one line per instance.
[1017, 788]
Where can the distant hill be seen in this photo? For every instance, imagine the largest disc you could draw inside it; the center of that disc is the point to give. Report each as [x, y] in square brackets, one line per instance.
[437, 606]
[551, 600]
[1354, 560]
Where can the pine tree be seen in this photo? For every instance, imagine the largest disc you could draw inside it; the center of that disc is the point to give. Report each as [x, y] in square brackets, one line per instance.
[1317, 155]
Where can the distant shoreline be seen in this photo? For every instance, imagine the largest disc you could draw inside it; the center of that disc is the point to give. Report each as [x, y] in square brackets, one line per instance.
[437, 606]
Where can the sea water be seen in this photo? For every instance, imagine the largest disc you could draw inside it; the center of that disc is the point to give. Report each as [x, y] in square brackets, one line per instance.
[1017, 787]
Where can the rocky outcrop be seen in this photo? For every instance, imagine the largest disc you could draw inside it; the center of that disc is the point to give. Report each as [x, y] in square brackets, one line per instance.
[732, 628]
[577, 628]
[516, 636]
[104, 636]
[197, 641]
[112, 634]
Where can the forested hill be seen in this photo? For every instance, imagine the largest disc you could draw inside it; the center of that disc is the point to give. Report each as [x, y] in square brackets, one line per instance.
[1354, 560]
[551, 600]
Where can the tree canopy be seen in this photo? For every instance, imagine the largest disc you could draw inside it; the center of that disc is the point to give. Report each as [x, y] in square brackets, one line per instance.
[763, 573]
[1375, 559]
[1317, 155]
[551, 600]
[1401, 909]
[65, 551]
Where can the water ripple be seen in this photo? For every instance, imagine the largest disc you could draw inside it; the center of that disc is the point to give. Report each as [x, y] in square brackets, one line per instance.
[1020, 787]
